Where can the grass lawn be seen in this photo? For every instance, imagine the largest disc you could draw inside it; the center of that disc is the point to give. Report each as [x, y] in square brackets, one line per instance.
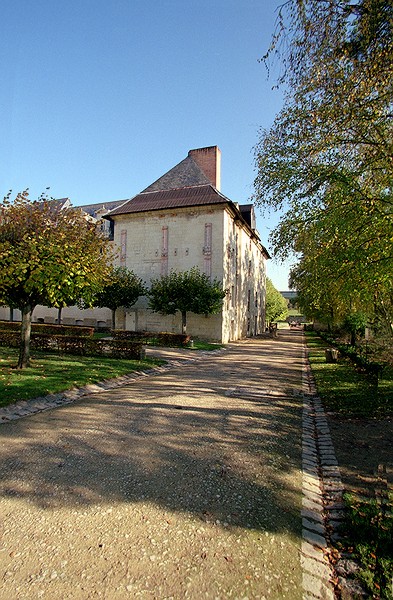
[345, 389]
[361, 425]
[51, 373]
[208, 346]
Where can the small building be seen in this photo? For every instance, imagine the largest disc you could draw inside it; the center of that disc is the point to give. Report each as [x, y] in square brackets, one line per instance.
[181, 221]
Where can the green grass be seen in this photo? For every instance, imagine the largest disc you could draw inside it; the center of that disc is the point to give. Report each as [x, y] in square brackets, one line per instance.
[346, 390]
[51, 373]
[368, 535]
[368, 527]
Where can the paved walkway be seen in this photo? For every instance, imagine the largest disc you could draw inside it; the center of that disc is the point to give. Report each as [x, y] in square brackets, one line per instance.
[185, 483]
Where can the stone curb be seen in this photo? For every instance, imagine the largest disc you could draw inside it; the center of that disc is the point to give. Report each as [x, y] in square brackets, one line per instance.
[26, 408]
[322, 494]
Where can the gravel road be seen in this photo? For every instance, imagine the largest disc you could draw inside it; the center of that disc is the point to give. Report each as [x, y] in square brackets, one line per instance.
[184, 484]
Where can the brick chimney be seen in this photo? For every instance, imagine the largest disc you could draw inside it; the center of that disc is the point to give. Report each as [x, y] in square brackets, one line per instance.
[209, 160]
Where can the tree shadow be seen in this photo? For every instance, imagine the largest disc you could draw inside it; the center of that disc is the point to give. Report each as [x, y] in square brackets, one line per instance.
[223, 449]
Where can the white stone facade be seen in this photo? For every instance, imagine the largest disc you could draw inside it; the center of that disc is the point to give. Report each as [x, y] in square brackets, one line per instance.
[70, 315]
[154, 243]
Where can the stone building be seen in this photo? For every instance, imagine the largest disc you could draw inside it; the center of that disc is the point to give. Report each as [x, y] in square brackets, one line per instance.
[180, 221]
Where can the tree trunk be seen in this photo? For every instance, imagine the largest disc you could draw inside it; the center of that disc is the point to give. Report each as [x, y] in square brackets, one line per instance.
[24, 350]
[11, 313]
[184, 322]
[59, 315]
[386, 317]
[113, 318]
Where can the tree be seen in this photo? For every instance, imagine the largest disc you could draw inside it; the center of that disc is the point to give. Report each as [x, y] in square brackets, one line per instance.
[187, 291]
[123, 289]
[276, 305]
[355, 323]
[326, 161]
[47, 256]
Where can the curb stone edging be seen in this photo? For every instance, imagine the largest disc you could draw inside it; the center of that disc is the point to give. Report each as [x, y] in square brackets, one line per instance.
[26, 408]
[332, 509]
[322, 493]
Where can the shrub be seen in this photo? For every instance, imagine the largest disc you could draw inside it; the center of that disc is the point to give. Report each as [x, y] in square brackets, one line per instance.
[160, 339]
[10, 339]
[74, 330]
[123, 334]
[172, 339]
[77, 345]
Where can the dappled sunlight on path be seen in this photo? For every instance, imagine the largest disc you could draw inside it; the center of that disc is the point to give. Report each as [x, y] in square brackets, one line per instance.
[198, 467]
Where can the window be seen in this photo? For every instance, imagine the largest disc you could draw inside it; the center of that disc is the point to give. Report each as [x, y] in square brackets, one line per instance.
[207, 250]
[123, 247]
[164, 251]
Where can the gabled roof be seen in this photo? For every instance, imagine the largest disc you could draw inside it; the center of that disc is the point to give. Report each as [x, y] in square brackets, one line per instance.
[59, 203]
[198, 195]
[185, 174]
[185, 185]
[92, 209]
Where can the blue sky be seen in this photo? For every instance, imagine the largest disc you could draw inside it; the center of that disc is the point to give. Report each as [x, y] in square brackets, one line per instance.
[100, 98]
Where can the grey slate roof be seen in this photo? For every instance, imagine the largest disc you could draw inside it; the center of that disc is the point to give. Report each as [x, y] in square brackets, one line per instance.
[91, 209]
[184, 185]
[59, 203]
[186, 173]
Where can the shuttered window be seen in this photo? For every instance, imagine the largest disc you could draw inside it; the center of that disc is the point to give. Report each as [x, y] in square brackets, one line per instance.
[207, 250]
[164, 251]
[123, 247]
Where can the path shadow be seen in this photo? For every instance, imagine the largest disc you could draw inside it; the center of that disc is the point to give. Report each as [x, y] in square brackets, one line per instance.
[180, 442]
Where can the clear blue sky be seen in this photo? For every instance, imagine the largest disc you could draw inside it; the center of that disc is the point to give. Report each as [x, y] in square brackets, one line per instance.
[100, 98]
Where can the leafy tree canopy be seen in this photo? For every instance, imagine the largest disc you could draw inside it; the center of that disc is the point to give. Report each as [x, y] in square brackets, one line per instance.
[48, 256]
[326, 161]
[276, 305]
[187, 291]
[123, 289]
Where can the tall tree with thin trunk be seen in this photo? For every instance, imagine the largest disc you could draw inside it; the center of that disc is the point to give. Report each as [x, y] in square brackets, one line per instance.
[276, 305]
[186, 291]
[123, 289]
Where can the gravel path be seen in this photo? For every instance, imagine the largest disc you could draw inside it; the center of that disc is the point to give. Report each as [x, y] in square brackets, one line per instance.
[185, 484]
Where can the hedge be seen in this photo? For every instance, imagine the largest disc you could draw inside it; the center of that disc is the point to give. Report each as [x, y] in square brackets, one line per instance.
[172, 339]
[160, 339]
[74, 330]
[124, 334]
[372, 368]
[77, 345]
